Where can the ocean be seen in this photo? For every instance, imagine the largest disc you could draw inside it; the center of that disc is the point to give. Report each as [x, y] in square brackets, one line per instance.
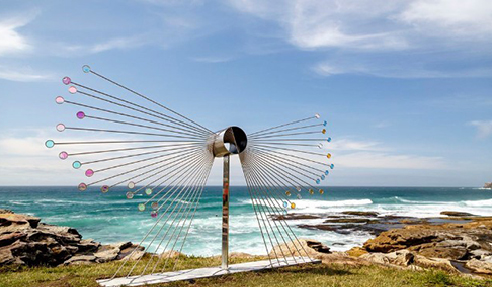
[111, 217]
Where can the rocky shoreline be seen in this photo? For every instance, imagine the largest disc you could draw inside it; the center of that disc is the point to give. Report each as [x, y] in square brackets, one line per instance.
[457, 242]
[24, 240]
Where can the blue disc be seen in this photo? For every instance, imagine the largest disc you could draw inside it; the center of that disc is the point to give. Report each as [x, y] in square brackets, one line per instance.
[332, 166]
[318, 181]
[86, 69]
[76, 164]
[50, 143]
[327, 172]
[325, 123]
[328, 139]
[285, 204]
[323, 177]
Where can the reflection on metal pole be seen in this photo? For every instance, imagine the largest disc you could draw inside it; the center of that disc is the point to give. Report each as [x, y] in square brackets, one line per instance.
[225, 214]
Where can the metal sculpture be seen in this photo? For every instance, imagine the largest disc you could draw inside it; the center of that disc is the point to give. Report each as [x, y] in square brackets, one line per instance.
[168, 157]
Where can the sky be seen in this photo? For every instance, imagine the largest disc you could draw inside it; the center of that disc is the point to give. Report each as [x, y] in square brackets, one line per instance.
[404, 85]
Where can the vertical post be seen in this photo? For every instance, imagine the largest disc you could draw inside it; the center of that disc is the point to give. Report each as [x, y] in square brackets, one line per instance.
[225, 214]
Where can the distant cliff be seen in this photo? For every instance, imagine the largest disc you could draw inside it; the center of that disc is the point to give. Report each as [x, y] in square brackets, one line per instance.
[488, 185]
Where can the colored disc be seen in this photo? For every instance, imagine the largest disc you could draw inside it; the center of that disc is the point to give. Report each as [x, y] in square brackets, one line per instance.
[328, 139]
[317, 116]
[82, 186]
[86, 69]
[153, 214]
[323, 131]
[89, 172]
[155, 205]
[72, 90]
[298, 188]
[59, 100]
[66, 80]
[299, 196]
[104, 188]
[80, 115]
[141, 207]
[76, 164]
[49, 143]
[60, 127]
[311, 191]
[63, 155]
[288, 193]
[327, 172]
[328, 155]
[131, 185]
[148, 191]
[325, 123]
[293, 205]
[129, 195]
[321, 191]
[323, 177]
[332, 166]
[284, 204]
[318, 181]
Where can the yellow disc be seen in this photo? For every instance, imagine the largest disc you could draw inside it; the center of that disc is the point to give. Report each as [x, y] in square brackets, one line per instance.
[311, 191]
[293, 205]
[288, 193]
[328, 155]
[323, 131]
[321, 191]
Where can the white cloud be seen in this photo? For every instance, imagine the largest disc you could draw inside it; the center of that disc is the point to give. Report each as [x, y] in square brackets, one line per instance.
[11, 40]
[388, 161]
[23, 75]
[351, 145]
[212, 60]
[484, 127]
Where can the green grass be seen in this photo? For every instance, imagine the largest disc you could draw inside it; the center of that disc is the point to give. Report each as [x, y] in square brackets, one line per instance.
[307, 275]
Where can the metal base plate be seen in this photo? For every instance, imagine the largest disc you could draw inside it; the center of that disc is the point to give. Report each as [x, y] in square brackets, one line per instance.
[203, 272]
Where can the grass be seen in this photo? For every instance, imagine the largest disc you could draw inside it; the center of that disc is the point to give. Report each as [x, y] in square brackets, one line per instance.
[307, 275]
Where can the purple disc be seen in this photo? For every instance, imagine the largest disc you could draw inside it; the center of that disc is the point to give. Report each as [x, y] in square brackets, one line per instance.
[72, 90]
[63, 155]
[80, 115]
[89, 172]
[153, 214]
[59, 100]
[82, 186]
[104, 188]
[66, 80]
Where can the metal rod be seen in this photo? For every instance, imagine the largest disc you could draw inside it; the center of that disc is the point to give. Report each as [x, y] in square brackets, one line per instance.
[225, 214]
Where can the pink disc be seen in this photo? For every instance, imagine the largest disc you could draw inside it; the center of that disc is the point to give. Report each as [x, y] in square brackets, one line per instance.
[66, 80]
[59, 100]
[72, 89]
[63, 155]
[89, 172]
[82, 186]
[60, 127]
[153, 214]
[80, 115]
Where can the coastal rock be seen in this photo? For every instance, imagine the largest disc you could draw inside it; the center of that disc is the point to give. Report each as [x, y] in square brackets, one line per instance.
[26, 241]
[401, 257]
[480, 266]
[488, 185]
[439, 263]
[361, 213]
[456, 214]
[313, 248]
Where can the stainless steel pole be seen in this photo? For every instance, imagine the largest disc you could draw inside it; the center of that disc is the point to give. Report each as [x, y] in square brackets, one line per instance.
[225, 214]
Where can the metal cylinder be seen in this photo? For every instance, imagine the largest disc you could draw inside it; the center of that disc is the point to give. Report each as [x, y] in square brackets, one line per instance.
[232, 140]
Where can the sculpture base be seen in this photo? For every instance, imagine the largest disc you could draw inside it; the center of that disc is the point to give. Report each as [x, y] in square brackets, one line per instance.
[191, 274]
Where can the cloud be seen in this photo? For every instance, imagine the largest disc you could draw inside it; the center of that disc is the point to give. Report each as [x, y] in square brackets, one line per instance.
[484, 128]
[23, 75]
[119, 43]
[388, 161]
[11, 41]
[351, 145]
[212, 60]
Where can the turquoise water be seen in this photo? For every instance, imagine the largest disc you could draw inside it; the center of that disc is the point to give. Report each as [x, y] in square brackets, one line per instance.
[111, 217]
